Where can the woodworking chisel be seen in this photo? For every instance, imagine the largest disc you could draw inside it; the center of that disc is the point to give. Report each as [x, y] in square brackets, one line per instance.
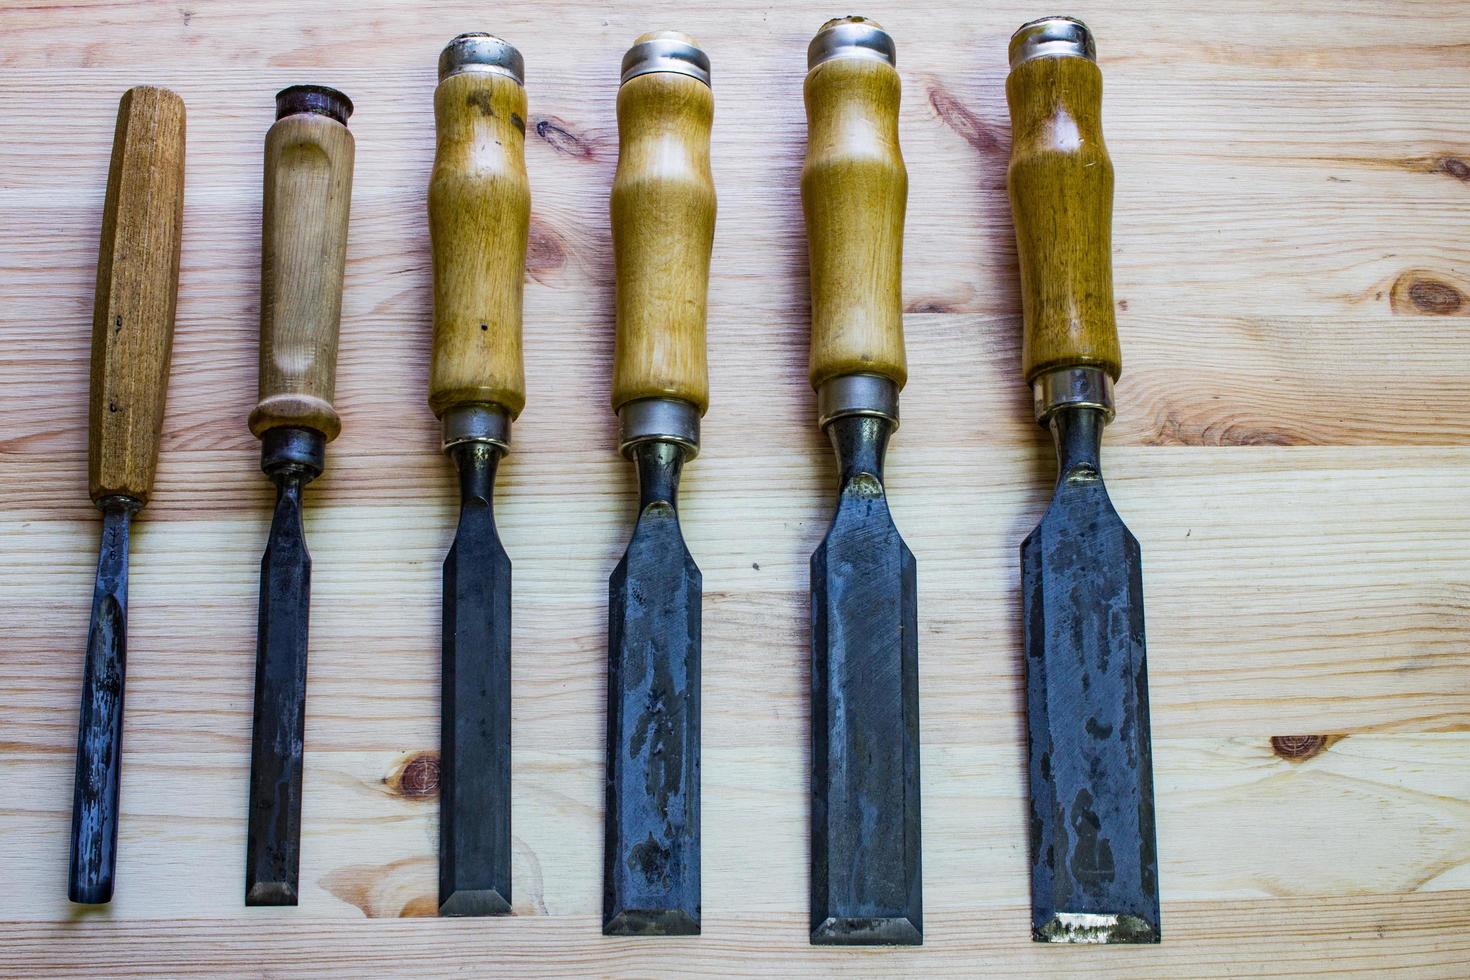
[865, 877]
[308, 189]
[479, 220]
[1094, 863]
[132, 337]
[663, 221]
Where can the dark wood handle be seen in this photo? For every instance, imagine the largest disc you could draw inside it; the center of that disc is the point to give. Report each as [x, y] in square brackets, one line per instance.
[1061, 184]
[479, 222]
[137, 291]
[308, 190]
[854, 191]
[663, 226]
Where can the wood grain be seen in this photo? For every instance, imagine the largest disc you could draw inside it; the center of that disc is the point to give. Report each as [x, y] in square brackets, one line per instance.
[137, 293]
[1061, 186]
[1291, 451]
[479, 222]
[854, 191]
[663, 229]
[308, 191]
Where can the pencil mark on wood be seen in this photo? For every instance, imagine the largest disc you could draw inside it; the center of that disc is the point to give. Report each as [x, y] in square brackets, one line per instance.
[1420, 291]
[985, 138]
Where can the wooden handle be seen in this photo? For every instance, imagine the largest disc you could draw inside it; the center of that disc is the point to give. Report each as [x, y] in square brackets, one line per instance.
[663, 225]
[854, 190]
[308, 189]
[1061, 184]
[137, 290]
[479, 220]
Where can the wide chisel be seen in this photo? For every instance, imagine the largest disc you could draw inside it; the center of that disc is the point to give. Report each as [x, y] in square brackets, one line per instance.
[1094, 863]
[308, 189]
[865, 877]
[663, 220]
[132, 337]
[479, 220]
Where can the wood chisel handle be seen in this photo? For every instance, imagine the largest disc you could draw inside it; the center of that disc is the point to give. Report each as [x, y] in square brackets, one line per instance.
[1061, 187]
[663, 223]
[137, 290]
[854, 191]
[308, 190]
[479, 222]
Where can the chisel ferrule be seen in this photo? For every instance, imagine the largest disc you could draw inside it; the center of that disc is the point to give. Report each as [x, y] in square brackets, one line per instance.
[480, 52]
[478, 422]
[1072, 387]
[850, 37]
[317, 99]
[1051, 37]
[670, 51]
[857, 394]
[659, 419]
[288, 447]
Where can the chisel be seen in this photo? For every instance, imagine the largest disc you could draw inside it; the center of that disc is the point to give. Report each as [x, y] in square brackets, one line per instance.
[479, 220]
[865, 878]
[308, 188]
[663, 221]
[1094, 864]
[132, 337]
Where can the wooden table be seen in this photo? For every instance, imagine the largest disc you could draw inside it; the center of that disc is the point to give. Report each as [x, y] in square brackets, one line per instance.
[1293, 283]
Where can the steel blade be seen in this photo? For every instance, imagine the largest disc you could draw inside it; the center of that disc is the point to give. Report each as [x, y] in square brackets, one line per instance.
[1094, 874]
[474, 787]
[652, 862]
[866, 874]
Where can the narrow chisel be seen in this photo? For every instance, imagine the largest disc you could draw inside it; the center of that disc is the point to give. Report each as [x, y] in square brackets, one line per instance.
[865, 879]
[132, 337]
[308, 188]
[663, 220]
[479, 220]
[1094, 863]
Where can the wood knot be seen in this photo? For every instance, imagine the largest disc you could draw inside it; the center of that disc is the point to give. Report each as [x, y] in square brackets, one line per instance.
[1419, 291]
[563, 140]
[417, 777]
[1297, 748]
[1454, 167]
[965, 122]
[546, 253]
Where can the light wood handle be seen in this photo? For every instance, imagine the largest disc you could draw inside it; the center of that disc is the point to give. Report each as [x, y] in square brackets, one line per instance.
[137, 291]
[479, 221]
[308, 190]
[1061, 185]
[854, 191]
[663, 226]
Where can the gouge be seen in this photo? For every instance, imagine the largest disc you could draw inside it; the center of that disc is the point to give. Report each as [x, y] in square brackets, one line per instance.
[479, 220]
[663, 221]
[865, 879]
[132, 337]
[1094, 866]
[308, 188]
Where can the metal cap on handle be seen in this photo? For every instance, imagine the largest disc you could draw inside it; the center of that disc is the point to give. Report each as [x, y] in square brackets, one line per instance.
[481, 52]
[850, 37]
[318, 99]
[1051, 37]
[670, 51]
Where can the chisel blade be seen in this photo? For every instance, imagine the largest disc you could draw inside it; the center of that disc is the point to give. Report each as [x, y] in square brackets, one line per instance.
[1094, 871]
[865, 711]
[273, 837]
[474, 786]
[652, 873]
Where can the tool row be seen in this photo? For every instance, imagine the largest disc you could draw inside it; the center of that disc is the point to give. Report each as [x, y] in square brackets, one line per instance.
[1094, 866]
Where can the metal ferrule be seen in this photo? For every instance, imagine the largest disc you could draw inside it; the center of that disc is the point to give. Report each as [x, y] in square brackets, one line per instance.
[293, 451]
[1072, 387]
[668, 51]
[1051, 37]
[318, 99]
[481, 53]
[857, 394]
[659, 419]
[477, 422]
[850, 37]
